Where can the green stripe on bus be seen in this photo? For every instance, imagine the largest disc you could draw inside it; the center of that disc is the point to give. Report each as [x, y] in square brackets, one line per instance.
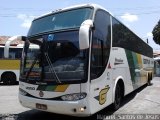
[41, 87]
[55, 88]
[131, 64]
[135, 60]
[47, 88]
[50, 88]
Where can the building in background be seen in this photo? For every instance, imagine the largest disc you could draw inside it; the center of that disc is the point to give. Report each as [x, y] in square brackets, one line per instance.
[3, 40]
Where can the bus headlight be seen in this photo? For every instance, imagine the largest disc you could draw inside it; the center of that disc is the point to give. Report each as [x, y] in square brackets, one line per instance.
[22, 92]
[74, 96]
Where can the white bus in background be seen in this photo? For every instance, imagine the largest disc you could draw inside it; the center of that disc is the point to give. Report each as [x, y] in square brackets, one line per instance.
[10, 56]
[86, 60]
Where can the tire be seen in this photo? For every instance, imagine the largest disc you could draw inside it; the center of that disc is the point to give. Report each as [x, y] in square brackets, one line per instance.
[118, 98]
[149, 79]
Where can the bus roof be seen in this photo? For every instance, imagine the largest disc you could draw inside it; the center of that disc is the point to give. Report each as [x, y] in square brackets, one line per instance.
[95, 6]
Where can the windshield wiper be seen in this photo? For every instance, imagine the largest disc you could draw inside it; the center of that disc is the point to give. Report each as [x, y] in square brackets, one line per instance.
[51, 67]
[30, 69]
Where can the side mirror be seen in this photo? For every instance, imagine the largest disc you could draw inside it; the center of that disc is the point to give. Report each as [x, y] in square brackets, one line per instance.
[23, 38]
[84, 34]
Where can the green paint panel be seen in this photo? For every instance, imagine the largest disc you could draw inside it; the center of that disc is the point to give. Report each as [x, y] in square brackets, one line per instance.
[135, 60]
[131, 64]
[50, 88]
[47, 88]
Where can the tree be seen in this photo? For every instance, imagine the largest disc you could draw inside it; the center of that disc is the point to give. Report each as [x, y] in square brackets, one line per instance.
[156, 33]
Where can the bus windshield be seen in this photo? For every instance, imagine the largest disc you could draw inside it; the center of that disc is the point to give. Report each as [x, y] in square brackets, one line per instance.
[60, 21]
[55, 61]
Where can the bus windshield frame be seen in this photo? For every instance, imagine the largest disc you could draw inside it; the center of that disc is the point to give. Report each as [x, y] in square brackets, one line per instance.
[59, 61]
[61, 20]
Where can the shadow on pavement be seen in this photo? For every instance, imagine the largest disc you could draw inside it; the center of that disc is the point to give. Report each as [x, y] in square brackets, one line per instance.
[131, 96]
[40, 115]
[2, 84]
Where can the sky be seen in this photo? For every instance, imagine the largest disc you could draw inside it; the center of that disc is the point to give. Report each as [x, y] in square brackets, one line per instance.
[139, 15]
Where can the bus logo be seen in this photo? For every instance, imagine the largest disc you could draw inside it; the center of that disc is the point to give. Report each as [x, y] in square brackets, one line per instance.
[41, 94]
[102, 97]
[50, 37]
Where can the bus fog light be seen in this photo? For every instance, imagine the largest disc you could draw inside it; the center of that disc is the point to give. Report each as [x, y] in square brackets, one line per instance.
[74, 96]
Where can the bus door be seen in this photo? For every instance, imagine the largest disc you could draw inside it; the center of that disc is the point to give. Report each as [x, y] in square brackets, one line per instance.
[100, 51]
[100, 77]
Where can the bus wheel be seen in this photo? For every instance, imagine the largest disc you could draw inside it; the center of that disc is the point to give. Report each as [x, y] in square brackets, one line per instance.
[149, 79]
[9, 78]
[118, 98]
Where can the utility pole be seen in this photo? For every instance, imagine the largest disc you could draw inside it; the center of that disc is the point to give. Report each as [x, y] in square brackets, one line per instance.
[147, 41]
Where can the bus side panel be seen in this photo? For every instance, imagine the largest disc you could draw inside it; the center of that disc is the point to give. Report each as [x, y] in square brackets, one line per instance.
[121, 70]
[135, 67]
[139, 66]
[101, 91]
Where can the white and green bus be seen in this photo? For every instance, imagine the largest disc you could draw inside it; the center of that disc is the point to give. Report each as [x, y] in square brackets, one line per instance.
[86, 60]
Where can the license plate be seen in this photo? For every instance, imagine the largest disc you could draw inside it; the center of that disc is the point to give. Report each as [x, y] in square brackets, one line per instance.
[41, 106]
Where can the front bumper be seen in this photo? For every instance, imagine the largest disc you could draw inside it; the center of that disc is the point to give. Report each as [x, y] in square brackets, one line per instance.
[73, 108]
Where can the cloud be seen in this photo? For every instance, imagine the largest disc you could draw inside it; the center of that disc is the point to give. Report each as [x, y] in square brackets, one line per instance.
[129, 17]
[149, 34]
[26, 20]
